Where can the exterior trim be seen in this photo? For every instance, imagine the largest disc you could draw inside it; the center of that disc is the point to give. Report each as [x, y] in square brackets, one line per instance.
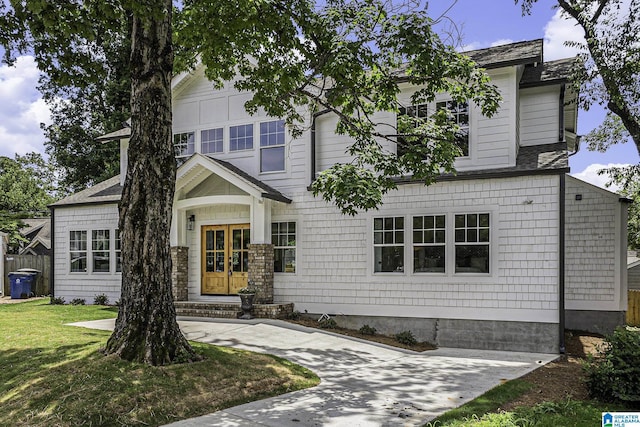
[561, 261]
[52, 258]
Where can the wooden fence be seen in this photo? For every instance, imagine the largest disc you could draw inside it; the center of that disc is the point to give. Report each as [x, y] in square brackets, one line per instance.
[633, 310]
[37, 262]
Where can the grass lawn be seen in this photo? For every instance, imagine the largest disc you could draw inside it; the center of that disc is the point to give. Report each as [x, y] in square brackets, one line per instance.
[484, 411]
[53, 375]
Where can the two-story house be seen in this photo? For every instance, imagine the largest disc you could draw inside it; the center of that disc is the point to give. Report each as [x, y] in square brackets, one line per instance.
[503, 255]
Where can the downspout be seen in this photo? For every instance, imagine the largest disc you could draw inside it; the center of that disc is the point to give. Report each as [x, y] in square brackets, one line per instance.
[313, 142]
[52, 258]
[561, 260]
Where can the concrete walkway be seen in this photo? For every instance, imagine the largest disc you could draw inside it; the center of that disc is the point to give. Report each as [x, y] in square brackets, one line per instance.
[363, 383]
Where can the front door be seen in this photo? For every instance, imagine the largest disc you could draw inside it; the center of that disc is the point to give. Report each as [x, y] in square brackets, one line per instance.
[225, 258]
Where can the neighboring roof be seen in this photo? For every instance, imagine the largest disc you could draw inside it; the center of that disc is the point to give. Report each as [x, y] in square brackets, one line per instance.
[526, 52]
[532, 160]
[38, 231]
[108, 191]
[552, 72]
[34, 224]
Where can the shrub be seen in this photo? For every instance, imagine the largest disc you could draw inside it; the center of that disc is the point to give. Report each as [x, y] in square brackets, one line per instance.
[101, 299]
[367, 330]
[328, 323]
[615, 374]
[77, 301]
[57, 301]
[295, 315]
[406, 338]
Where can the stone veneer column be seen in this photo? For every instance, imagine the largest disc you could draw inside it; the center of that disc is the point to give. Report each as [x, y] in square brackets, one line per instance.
[179, 273]
[261, 271]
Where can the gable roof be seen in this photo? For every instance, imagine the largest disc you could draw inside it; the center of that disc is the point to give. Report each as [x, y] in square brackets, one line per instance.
[108, 191]
[525, 52]
[548, 73]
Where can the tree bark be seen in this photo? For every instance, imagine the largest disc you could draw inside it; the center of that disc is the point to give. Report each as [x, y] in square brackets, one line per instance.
[146, 329]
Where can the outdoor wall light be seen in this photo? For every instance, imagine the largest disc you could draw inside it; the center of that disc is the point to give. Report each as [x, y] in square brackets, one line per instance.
[191, 222]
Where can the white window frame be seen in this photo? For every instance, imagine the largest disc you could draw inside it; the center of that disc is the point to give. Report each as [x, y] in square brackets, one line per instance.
[287, 247]
[97, 247]
[424, 231]
[279, 137]
[379, 236]
[78, 250]
[479, 241]
[117, 251]
[456, 114]
[210, 141]
[184, 144]
[246, 137]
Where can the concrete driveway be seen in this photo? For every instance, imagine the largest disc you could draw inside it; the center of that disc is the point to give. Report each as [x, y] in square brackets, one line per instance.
[362, 383]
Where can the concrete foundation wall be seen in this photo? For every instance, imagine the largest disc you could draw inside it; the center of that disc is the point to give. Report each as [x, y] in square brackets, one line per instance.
[460, 333]
[600, 322]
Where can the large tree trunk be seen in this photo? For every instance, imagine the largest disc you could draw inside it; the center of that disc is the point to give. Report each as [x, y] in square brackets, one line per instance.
[146, 328]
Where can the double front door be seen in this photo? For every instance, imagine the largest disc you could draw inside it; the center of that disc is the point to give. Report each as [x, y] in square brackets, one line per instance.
[225, 258]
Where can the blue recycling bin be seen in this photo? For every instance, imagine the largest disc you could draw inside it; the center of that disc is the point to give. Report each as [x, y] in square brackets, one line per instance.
[21, 284]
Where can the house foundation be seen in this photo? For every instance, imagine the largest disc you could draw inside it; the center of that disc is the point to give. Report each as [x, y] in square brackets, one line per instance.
[179, 273]
[261, 271]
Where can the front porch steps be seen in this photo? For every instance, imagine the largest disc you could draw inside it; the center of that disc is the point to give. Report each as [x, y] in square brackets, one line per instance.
[230, 310]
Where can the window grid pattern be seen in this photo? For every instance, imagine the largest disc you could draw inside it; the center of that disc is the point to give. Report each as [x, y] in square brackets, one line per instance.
[78, 251]
[417, 112]
[184, 144]
[459, 112]
[388, 243]
[118, 251]
[429, 239]
[272, 137]
[472, 239]
[283, 238]
[241, 137]
[100, 251]
[212, 140]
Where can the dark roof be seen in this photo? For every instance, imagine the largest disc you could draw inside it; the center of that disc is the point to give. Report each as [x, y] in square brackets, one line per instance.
[268, 191]
[114, 190]
[526, 52]
[103, 192]
[552, 72]
[532, 160]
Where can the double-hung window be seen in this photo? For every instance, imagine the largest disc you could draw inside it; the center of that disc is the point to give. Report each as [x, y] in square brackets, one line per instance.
[413, 114]
[459, 112]
[100, 255]
[388, 244]
[429, 249]
[241, 137]
[283, 238]
[272, 146]
[472, 243]
[78, 251]
[211, 140]
[184, 144]
[118, 251]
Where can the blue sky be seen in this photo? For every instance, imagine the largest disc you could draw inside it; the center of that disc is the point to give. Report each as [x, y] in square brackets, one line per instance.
[482, 22]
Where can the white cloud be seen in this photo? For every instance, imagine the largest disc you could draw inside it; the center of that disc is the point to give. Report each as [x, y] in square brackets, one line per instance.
[557, 31]
[590, 175]
[22, 109]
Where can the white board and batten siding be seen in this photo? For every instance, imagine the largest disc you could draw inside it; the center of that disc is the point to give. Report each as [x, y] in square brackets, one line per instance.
[85, 285]
[596, 252]
[335, 255]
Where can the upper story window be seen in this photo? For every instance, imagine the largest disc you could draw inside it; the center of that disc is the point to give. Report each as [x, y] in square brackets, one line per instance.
[241, 137]
[419, 111]
[78, 251]
[272, 146]
[212, 140]
[429, 250]
[184, 144]
[100, 251]
[388, 244]
[459, 112]
[472, 243]
[283, 238]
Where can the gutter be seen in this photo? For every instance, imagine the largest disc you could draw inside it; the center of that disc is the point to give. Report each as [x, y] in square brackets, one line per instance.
[313, 142]
[561, 260]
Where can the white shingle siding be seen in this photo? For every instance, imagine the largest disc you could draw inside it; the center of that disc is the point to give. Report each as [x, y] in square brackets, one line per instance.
[595, 252]
[84, 285]
[334, 258]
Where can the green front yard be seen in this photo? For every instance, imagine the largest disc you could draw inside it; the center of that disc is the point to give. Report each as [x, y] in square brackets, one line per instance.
[52, 374]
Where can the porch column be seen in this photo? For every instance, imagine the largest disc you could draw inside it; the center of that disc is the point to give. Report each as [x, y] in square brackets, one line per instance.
[261, 271]
[179, 273]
